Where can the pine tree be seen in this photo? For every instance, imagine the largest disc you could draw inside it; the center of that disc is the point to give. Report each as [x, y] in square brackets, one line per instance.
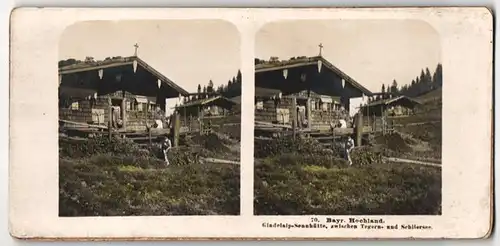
[204, 92]
[238, 77]
[417, 86]
[422, 77]
[210, 88]
[394, 87]
[437, 78]
[199, 91]
[428, 80]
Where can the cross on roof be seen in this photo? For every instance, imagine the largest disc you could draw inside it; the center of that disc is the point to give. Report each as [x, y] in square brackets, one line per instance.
[320, 48]
[136, 46]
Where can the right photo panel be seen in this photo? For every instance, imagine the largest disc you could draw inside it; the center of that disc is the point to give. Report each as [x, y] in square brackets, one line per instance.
[347, 118]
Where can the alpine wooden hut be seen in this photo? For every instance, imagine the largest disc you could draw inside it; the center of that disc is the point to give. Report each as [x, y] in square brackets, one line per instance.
[306, 91]
[394, 106]
[125, 93]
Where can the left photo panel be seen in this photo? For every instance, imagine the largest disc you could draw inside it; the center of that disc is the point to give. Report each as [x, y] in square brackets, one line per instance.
[149, 118]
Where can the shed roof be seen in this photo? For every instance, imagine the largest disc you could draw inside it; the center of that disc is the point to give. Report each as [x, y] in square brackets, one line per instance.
[205, 101]
[266, 92]
[396, 100]
[307, 61]
[236, 99]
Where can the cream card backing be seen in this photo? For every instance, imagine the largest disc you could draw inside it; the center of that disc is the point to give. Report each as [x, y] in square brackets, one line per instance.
[251, 123]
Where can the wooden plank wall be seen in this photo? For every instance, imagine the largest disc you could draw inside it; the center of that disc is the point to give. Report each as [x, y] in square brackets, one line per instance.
[322, 119]
[269, 113]
[135, 119]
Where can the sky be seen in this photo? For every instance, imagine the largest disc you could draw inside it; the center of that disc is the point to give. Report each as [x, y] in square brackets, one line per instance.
[372, 52]
[189, 52]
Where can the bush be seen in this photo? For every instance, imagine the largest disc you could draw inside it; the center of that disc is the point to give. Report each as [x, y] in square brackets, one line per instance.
[100, 145]
[276, 146]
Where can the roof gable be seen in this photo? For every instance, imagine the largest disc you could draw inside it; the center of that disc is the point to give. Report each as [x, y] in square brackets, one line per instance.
[308, 61]
[119, 62]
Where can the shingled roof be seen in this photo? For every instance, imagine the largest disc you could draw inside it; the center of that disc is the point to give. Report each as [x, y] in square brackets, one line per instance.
[117, 62]
[306, 61]
[205, 101]
[389, 101]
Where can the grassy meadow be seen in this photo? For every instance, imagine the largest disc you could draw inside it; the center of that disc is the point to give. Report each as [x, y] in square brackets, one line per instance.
[103, 177]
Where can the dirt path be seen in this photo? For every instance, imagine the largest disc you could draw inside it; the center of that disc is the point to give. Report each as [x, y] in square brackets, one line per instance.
[221, 161]
[413, 162]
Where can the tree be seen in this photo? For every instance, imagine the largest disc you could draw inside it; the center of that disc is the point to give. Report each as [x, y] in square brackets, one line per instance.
[404, 89]
[394, 87]
[422, 77]
[418, 85]
[220, 89]
[428, 76]
[383, 91]
[199, 91]
[437, 78]
[238, 77]
[210, 88]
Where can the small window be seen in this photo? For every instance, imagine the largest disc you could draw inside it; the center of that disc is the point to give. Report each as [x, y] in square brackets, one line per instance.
[324, 106]
[74, 106]
[259, 105]
[139, 107]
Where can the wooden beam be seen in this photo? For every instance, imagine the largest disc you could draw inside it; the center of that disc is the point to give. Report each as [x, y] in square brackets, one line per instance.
[85, 69]
[275, 68]
[83, 124]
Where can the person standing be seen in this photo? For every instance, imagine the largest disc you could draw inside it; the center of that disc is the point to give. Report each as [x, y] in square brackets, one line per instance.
[165, 146]
[349, 145]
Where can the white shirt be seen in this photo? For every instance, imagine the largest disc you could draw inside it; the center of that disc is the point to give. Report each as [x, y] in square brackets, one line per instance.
[349, 143]
[167, 144]
[343, 124]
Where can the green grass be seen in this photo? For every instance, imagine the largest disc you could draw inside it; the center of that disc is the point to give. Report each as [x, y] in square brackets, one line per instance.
[294, 177]
[119, 179]
[300, 185]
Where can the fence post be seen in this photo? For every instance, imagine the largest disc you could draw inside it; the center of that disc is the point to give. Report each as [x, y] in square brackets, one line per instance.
[124, 112]
[110, 117]
[149, 136]
[333, 138]
[176, 127]
[359, 128]
[294, 116]
[309, 114]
